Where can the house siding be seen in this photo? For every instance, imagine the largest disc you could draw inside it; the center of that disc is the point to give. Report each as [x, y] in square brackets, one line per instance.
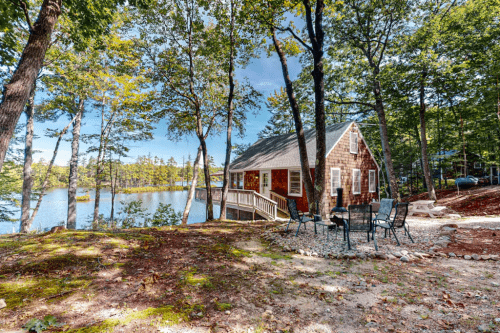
[341, 157]
[251, 181]
[279, 185]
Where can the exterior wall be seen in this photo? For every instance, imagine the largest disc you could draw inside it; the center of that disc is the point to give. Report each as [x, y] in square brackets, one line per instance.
[252, 181]
[342, 158]
[279, 185]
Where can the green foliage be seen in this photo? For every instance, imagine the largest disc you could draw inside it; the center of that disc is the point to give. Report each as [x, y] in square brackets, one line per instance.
[133, 214]
[38, 325]
[165, 215]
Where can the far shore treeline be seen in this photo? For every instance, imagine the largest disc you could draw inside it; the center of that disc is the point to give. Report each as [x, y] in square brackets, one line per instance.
[146, 174]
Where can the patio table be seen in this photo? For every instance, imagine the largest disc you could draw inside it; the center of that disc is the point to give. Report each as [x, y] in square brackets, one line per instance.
[425, 207]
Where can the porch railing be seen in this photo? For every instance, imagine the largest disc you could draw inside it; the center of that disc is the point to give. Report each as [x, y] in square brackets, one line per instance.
[242, 198]
[280, 200]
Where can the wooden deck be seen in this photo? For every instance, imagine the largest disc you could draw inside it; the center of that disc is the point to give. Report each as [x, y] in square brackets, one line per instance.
[245, 200]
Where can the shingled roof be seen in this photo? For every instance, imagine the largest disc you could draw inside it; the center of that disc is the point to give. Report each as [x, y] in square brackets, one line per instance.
[282, 151]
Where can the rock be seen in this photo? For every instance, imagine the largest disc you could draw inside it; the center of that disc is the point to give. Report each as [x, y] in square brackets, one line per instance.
[476, 257]
[404, 252]
[2, 304]
[371, 324]
[405, 259]
[397, 254]
[118, 279]
[495, 257]
[486, 257]
[447, 228]
[484, 328]
[495, 284]
[57, 229]
[452, 255]
[315, 254]
[381, 255]
[301, 251]
[454, 216]
[361, 255]
[390, 257]
[433, 249]
[351, 255]
[467, 257]
[418, 255]
[227, 312]
[497, 320]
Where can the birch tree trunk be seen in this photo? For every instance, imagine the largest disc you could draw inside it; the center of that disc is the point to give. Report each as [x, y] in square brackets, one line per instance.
[73, 167]
[28, 160]
[47, 174]
[17, 91]
[192, 188]
[423, 138]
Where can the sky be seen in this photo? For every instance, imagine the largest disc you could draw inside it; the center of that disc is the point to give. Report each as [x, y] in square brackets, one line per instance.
[263, 73]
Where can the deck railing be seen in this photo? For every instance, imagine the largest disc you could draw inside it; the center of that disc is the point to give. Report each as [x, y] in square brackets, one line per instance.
[280, 200]
[242, 198]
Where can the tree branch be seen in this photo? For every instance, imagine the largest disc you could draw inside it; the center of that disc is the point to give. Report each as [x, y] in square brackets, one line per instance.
[296, 37]
[22, 4]
[350, 103]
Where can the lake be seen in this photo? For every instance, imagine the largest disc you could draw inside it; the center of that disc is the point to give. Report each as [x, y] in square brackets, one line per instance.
[54, 208]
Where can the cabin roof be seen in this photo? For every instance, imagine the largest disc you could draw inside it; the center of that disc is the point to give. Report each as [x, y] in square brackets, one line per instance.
[282, 151]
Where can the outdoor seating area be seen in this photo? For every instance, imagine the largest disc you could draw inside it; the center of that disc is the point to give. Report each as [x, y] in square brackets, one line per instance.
[356, 219]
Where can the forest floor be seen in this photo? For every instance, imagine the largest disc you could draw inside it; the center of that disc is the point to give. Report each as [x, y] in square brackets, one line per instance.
[224, 277]
[476, 201]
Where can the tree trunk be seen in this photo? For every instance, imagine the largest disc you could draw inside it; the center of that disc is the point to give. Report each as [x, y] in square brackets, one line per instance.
[379, 108]
[225, 182]
[463, 139]
[210, 205]
[316, 36]
[47, 174]
[28, 160]
[194, 181]
[423, 137]
[299, 129]
[99, 170]
[17, 91]
[73, 167]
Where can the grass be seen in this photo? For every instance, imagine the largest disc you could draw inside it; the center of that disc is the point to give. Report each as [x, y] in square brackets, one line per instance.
[83, 198]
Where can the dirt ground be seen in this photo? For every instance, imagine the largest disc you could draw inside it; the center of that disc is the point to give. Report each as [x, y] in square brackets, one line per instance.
[477, 201]
[223, 277]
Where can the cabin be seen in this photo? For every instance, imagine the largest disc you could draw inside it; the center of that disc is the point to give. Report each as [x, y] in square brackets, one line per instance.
[271, 168]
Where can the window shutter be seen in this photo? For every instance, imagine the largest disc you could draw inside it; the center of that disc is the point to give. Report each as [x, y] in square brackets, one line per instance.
[354, 143]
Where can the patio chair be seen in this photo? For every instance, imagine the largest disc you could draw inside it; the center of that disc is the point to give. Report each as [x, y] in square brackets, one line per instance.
[385, 210]
[399, 221]
[360, 219]
[298, 216]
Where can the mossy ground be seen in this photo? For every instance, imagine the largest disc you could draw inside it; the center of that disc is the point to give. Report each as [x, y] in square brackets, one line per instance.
[222, 277]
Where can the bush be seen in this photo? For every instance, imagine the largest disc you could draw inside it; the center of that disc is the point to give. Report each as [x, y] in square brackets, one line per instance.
[165, 215]
[133, 212]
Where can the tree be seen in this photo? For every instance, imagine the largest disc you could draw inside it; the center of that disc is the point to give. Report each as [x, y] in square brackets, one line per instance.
[191, 88]
[88, 21]
[364, 33]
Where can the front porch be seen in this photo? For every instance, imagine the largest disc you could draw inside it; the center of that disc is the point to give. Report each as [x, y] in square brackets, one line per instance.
[246, 200]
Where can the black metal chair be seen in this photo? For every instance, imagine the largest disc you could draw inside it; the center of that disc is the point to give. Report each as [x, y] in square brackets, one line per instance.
[298, 216]
[399, 221]
[360, 219]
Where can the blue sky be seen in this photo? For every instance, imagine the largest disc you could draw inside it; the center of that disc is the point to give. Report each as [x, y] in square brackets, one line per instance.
[264, 74]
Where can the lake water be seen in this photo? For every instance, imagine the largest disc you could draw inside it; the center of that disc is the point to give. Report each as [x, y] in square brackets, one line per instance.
[54, 207]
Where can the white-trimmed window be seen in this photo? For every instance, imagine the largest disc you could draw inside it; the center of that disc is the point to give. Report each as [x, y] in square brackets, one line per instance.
[477, 165]
[237, 180]
[371, 181]
[354, 142]
[335, 180]
[356, 181]
[295, 183]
